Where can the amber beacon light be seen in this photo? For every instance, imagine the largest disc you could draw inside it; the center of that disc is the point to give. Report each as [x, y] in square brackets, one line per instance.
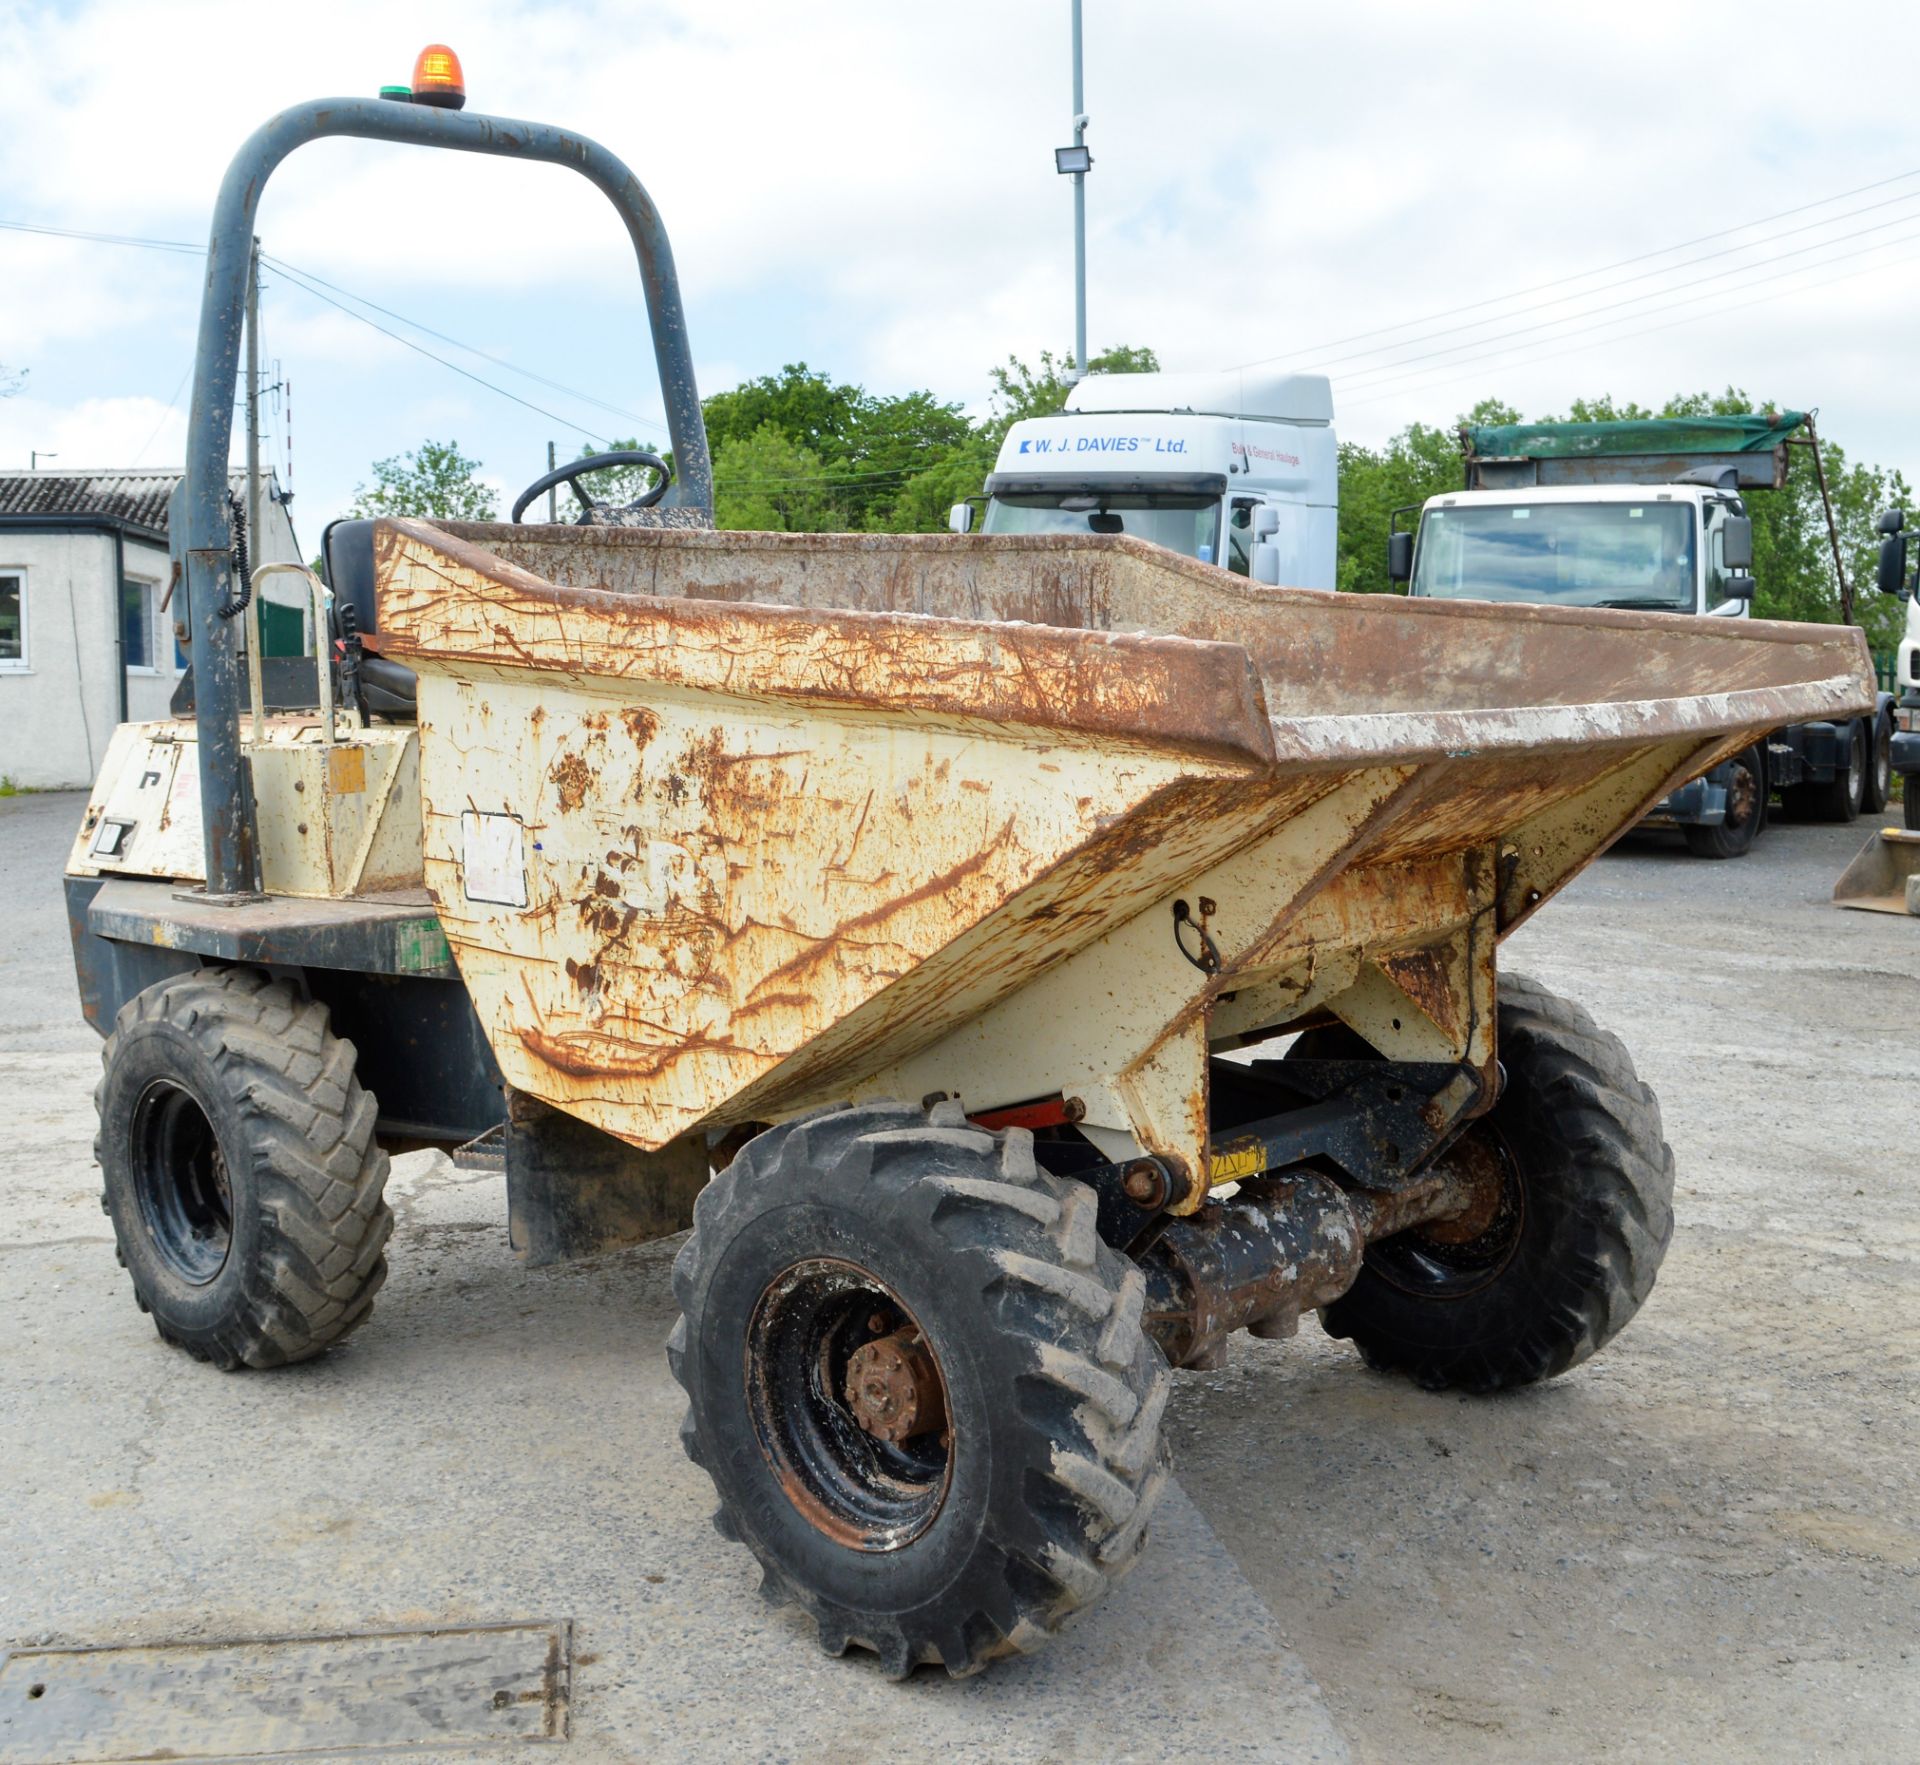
[437, 79]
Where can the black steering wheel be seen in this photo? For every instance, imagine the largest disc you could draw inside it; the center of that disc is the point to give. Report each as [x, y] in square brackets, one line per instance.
[574, 470]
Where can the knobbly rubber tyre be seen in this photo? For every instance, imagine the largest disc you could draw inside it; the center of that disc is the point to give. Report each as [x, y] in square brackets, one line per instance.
[1583, 1226]
[1746, 812]
[1879, 786]
[1053, 1460]
[1842, 796]
[241, 1172]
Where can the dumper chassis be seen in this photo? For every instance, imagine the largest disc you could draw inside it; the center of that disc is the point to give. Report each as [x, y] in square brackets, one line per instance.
[1023, 962]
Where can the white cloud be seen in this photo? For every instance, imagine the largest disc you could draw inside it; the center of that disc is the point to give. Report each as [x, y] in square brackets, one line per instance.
[868, 186]
[95, 432]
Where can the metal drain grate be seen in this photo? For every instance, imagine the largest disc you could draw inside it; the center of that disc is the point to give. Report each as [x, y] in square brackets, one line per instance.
[360, 1694]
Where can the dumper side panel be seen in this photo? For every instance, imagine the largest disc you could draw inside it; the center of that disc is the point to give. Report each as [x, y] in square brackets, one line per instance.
[657, 897]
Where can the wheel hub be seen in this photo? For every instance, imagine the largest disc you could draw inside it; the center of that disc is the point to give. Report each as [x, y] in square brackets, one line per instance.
[850, 1405]
[1743, 791]
[894, 1389]
[1480, 1179]
[180, 1177]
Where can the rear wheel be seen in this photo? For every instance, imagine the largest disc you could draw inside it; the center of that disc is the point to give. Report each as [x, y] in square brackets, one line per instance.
[1579, 1187]
[919, 1382]
[1879, 786]
[241, 1172]
[1746, 811]
[1840, 798]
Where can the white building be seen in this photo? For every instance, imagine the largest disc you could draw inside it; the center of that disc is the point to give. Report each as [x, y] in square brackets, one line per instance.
[88, 632]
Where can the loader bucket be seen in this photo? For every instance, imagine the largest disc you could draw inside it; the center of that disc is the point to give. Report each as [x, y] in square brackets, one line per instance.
[723, 826]
[1885, 877]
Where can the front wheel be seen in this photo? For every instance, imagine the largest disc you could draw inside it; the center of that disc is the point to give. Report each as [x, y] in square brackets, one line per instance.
[1578, 1210]
[919, 1382]
[1746, 811]
[241, 1172]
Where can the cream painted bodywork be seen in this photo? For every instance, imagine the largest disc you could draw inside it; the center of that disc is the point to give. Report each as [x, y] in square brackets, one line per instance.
[335, 820]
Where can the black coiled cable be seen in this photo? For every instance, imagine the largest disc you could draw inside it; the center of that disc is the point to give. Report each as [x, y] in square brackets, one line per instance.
[234, 608]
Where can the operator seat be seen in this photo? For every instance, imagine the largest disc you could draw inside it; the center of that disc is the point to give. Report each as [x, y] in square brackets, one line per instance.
[346, 552]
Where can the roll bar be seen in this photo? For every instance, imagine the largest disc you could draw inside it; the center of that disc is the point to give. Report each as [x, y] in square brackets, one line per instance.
[226, 795]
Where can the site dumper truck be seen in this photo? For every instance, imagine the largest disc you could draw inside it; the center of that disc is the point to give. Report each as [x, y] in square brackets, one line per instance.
[1648, 515]
[1023, 961]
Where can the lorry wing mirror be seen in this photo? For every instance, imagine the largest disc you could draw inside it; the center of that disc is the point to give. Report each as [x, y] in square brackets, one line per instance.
[1891, 522]
[1399, 557]
[1266, 563]
[960, 517]
[1736, 542]
[1266, 522]
[1893, 563]
[1739, 588]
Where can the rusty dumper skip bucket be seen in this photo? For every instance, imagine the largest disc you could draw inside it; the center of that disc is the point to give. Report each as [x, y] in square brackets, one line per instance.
[910, 916]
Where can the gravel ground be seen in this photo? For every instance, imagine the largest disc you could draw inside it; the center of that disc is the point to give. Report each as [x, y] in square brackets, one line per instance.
[1704, 1542]
[1701, 1545]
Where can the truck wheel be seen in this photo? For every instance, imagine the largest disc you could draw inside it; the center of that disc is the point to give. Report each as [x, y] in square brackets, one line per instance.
[919, 1383]
[1746, 811]
[1878, 792]
[1840, 798]
[1910, 802]
[242, 1176]
[1570, 1248]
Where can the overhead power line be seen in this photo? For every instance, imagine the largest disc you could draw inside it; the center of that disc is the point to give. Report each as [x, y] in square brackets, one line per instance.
[1390, 369]
[1910, 197]
[313, 285]
[1582, 275]
[318, 282]
[1453, 375]
[1391, 379]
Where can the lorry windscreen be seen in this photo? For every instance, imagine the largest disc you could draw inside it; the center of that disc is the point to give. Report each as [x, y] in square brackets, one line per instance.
[1610, 554]
[1185, 524]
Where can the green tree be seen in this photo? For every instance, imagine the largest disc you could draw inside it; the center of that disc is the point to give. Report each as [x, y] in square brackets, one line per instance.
[435, 481]
[1421, 461]
[804, 406]
[923, 502]
[767, 482]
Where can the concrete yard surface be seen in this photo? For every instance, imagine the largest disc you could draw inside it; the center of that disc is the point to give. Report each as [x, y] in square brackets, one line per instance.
[1703, 1544]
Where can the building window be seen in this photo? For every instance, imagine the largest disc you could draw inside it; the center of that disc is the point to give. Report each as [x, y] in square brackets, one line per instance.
[136, 624]
[13, 620]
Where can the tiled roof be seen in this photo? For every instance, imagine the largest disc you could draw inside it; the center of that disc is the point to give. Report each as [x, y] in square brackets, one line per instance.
[137, 497]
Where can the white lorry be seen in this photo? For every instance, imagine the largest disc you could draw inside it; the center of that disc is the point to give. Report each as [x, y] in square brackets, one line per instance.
[1905, 757]
[1238, 469]
[1646, 516]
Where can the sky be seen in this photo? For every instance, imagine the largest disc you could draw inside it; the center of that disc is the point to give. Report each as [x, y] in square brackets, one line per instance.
[1432, 204]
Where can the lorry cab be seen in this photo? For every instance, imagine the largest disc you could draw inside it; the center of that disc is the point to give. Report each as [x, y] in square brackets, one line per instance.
[1645, 515]
[1678, 548]
[1233, 469]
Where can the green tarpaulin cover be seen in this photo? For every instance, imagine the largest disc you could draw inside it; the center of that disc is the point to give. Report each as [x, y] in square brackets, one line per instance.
[1654, 435]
